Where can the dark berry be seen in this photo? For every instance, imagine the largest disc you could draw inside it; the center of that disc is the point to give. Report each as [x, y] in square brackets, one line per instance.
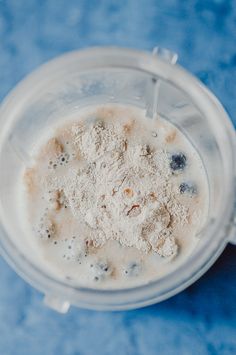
[178, 162]
[188, 187]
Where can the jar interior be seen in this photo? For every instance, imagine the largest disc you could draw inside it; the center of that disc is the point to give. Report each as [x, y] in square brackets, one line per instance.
[64, 95]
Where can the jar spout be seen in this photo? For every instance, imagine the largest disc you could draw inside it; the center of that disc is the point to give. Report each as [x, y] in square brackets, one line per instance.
[56, 303]
[165, 54]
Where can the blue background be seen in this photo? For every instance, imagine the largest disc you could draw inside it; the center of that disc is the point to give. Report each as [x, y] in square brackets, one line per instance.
[200, 320]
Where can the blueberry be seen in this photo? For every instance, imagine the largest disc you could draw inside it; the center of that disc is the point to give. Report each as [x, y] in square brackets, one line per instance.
[178, 161]
[133, 269]
[188, 187]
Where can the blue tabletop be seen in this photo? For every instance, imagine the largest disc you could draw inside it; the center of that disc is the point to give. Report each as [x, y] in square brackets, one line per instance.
[201, 319]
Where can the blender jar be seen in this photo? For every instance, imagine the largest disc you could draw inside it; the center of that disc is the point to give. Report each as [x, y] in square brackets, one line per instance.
[153, 82]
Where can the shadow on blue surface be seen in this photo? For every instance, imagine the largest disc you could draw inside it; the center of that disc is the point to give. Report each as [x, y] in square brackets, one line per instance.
[217, 289]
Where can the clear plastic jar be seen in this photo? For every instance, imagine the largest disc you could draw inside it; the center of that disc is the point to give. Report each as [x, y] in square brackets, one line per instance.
[115, 75]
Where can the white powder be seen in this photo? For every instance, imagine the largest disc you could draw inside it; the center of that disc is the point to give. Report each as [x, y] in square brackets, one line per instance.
[121, 190]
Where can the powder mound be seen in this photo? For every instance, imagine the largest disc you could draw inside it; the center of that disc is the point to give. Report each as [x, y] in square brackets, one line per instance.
[122, 190]
[96, 139]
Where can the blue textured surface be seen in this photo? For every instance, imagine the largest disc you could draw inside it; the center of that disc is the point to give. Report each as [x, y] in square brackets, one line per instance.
[200, 320]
